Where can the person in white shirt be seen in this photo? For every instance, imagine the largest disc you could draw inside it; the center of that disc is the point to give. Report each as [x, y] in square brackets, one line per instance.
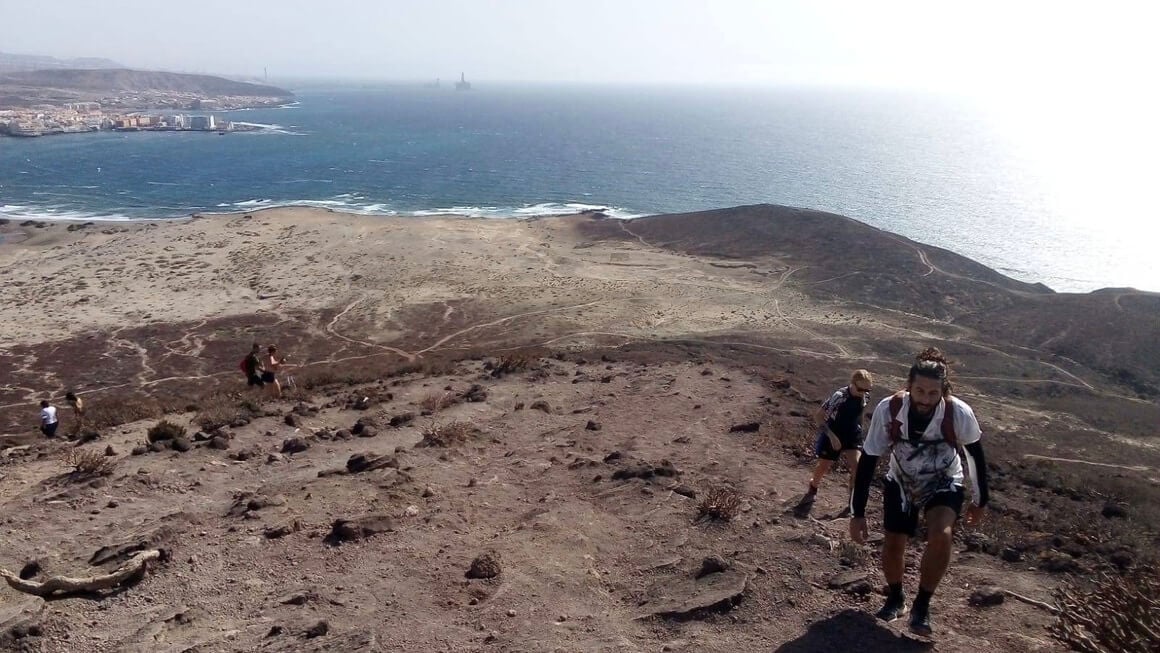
[48, 421]
[926, 432]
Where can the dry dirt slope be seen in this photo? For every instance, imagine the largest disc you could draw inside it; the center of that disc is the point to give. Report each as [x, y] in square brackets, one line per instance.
[585, 557]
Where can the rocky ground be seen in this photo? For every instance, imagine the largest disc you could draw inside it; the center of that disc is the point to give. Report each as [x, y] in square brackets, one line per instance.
[506, 436]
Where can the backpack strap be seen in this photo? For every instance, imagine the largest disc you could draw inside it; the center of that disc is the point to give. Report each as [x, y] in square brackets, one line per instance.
[948, 423]
[895, 423]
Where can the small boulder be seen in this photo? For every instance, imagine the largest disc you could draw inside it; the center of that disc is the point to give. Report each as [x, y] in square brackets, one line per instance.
[317, 630]
[712, 565]
[541, 406]
[1114, 511]
[293, 419]
[485, 565]
[593, 426]
[987, 595]
[746, 427]
[181, 444]
[350, 530]
[219, 442]
[294, 445]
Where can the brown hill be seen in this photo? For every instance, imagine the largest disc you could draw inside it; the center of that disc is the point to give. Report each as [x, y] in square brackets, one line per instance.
[115, 81]
[832, 256]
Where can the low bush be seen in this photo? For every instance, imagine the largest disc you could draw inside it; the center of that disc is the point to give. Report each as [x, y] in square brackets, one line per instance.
[446, 435]
[87, 463]
[720, 503]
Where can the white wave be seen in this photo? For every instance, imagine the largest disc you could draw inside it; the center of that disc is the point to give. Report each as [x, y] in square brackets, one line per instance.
[345, 203]
[18, 212]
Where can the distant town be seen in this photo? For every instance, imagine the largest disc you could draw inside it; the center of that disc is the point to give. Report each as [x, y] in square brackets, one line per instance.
[137, 112]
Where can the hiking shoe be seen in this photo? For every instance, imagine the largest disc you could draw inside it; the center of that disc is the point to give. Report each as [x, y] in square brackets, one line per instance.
[892, 609]
[920, 622]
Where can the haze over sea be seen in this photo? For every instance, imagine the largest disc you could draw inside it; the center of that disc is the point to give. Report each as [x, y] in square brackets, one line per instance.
[1035, 196]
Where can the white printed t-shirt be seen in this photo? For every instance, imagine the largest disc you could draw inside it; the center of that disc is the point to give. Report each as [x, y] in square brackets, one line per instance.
[928, 465]
[48, 415]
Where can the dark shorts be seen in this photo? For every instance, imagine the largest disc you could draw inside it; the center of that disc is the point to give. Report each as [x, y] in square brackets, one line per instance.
[49, 430]
[823, 450]
[897, 520]
[268, 377]
[253, 379]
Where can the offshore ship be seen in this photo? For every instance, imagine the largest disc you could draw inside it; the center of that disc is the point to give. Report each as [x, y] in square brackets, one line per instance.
[462, 84]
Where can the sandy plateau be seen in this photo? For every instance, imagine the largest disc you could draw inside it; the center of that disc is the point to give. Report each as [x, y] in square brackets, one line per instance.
[546, 403]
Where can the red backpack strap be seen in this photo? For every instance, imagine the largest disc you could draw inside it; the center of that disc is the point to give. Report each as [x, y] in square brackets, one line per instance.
[948, 423]
[895, 423]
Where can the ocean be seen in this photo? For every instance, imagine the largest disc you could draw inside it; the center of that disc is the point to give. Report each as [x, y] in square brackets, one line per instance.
[937, 169]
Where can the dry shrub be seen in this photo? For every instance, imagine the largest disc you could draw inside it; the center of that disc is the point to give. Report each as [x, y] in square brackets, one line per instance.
[115, 410]
[88, 463]
[165, 430]
[222, 409]
[720, 503]
[436, 402]
[512, 363]
[1120, 614]
[446, 435]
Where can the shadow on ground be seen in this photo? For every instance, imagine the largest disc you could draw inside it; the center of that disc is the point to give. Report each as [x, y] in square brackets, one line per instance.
[851, 628]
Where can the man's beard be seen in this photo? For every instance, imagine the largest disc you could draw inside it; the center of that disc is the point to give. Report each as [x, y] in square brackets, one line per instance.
[924, 410]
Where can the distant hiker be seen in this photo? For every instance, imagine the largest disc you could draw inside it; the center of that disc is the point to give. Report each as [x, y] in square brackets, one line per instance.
[252, 366]
[273, 366]
[48, 421]
[840, 434]
[924, 430]
[78, 408]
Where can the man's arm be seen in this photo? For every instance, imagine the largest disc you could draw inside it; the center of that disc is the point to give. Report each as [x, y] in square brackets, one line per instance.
[863, 477]
[977, 473]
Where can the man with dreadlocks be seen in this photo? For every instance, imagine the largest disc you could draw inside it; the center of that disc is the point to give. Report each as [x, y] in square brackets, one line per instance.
[924, 430]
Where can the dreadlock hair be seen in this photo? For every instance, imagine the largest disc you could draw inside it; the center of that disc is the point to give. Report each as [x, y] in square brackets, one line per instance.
[932, 364]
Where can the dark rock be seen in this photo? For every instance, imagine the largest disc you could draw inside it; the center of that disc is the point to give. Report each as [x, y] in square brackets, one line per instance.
[282, 530]
[1122, 559]
[158, 446]
[317, 630]
[644, 470]
[200, 437]
[343, 434]
[747, 427]
[475, 394]
[292, 419]
[300, 598]
[362, 462]
[541, 405]
[240, 422]
[139, 450]
[593, 426]
[613, 457]
[485, 565]
[181, 444]
[401, 419]
[1057, 561]
[712, 565]
[219, 442]
[978, 542]
[30, 569]
[987, 595]
[1011, 554]
[367, 431]
[350, 530]
[685, 491]
[845, 579]
[860, 588]
[519, 406]
[1114, 511]
[110, 451]
[362, 403]
[294, 445]
[245, 454]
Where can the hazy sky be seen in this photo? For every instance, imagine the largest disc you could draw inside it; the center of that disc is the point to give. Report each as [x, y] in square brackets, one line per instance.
[981, 45]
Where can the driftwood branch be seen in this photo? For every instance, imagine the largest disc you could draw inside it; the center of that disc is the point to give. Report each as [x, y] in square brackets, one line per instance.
[1030, 601]
[133, 568]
